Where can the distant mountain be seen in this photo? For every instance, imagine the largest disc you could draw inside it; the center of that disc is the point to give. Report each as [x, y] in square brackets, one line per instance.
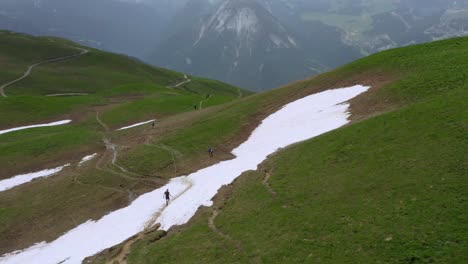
[375, 25]
[240, 42]
[247, 43]
[257, 44]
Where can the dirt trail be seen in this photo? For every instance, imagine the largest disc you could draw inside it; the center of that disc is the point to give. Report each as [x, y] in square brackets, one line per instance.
[67, 94]
[267, 185]
[150, 226]
[202, 101]
[30, 68]
[212, 225]
[113, 148]
[187, 80]
[76, 179]
[168, 150]
[98, 119]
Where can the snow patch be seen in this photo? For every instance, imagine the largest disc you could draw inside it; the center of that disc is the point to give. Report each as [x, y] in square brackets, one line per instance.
[25, 178]
[276, 40]
[58, 123]
[297, 121]
[292, 41]
[243, 22]
[87, 158]
[135, 125]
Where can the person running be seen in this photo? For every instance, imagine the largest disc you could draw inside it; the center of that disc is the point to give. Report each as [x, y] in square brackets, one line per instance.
[211, 151]
[167, 196]
[153, 124]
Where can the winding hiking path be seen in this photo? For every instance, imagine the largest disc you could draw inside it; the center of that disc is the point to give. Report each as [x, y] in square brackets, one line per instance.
[212, 226]
[30, 68]
[267, 185]
[202, 101]
[187, 80]
[78, 181]
[240, 92]
[170, 151]
[113, 148]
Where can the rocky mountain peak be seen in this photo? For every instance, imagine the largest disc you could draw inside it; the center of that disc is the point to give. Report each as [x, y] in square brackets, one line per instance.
[248, 22]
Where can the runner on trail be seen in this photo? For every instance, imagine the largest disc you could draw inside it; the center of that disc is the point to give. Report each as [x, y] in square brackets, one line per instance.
[167, 196]
[210, 151]
[153, 124]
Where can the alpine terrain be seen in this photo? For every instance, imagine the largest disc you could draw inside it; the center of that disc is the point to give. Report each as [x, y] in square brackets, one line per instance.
[241, 43]
[273, 42]
[358, 156]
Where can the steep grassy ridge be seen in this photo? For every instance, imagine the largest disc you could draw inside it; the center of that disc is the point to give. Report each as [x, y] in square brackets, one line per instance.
[400, 77]
[125, 90]
[403, 80]
[117, 89]
[388, 189]
[100, 74]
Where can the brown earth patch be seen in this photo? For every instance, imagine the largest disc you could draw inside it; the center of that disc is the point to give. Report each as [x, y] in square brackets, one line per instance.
[119, 253]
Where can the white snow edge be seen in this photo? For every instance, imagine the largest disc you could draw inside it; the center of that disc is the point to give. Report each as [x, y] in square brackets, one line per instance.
[25, 178]
[58, 123]
[298, 121]
[135, 125]
[87, 158]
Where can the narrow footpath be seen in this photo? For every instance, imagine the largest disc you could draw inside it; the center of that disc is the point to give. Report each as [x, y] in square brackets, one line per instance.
[187, 80]
[113, 148]
[30, 68]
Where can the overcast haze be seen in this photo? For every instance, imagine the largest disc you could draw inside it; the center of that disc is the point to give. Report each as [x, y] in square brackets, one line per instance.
[257, 45]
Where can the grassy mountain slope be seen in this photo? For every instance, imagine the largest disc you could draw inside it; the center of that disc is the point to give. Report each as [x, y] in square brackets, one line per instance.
[102, 75]
[125, 91]
[389, 188]
[118, 91]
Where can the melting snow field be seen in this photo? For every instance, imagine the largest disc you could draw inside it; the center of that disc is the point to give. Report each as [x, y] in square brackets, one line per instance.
[58, 123]
[135, 125]
[87, 158]
[24, 178]
[297, 121]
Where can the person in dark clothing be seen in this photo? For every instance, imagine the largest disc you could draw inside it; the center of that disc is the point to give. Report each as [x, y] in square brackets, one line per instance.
[211, 151]
[167, 196]
[153, 124]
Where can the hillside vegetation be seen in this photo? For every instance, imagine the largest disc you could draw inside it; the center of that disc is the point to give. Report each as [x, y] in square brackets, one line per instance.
[124, 91]
[100, 92]
[389, 188]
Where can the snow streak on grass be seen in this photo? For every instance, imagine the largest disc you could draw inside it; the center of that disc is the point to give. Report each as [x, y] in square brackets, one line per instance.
[25, 178]
[297, 121]
[58, 123]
